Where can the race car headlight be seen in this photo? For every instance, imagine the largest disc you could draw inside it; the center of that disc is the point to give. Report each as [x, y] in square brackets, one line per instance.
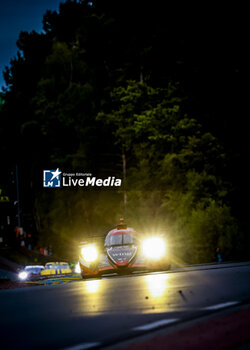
[77, 268]
[154, 248]
[23, 275]
[89, 253]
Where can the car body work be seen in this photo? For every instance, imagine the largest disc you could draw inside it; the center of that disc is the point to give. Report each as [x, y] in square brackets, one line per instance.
[123, 252]
[56, 268]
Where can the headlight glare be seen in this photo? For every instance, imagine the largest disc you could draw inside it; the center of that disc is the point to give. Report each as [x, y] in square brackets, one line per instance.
[89, 253]
[154, 248]
[77, 268]
[23, 275]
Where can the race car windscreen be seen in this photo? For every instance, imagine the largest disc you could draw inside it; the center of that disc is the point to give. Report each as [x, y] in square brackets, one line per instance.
[122, 239]
[127, 239]
[48, 267]
[63, 266]
[35, 270]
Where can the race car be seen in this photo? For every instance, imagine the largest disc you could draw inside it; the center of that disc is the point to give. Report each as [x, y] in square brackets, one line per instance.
[123, 252]
[30, 272]
[56, 268]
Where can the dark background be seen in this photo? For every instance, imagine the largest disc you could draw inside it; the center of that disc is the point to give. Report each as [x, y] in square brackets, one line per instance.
[58, 107]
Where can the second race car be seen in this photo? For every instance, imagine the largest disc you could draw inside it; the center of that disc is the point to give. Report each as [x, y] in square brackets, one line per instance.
[56, 268]
[123, 252]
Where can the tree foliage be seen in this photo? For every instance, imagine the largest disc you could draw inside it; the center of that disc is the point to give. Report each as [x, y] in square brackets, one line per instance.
[175, 171]
[109, 81]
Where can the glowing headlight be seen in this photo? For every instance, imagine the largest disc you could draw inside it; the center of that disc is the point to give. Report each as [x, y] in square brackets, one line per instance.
[23, 275]
[89, 253]
[154, 248]
[77, 268]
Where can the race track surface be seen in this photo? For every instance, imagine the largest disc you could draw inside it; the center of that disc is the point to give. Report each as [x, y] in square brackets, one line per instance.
[99, 313]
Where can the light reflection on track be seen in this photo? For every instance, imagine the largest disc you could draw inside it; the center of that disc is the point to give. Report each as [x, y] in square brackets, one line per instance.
[111, 309]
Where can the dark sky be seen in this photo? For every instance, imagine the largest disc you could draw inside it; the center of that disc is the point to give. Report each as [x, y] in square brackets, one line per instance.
[16, 16]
